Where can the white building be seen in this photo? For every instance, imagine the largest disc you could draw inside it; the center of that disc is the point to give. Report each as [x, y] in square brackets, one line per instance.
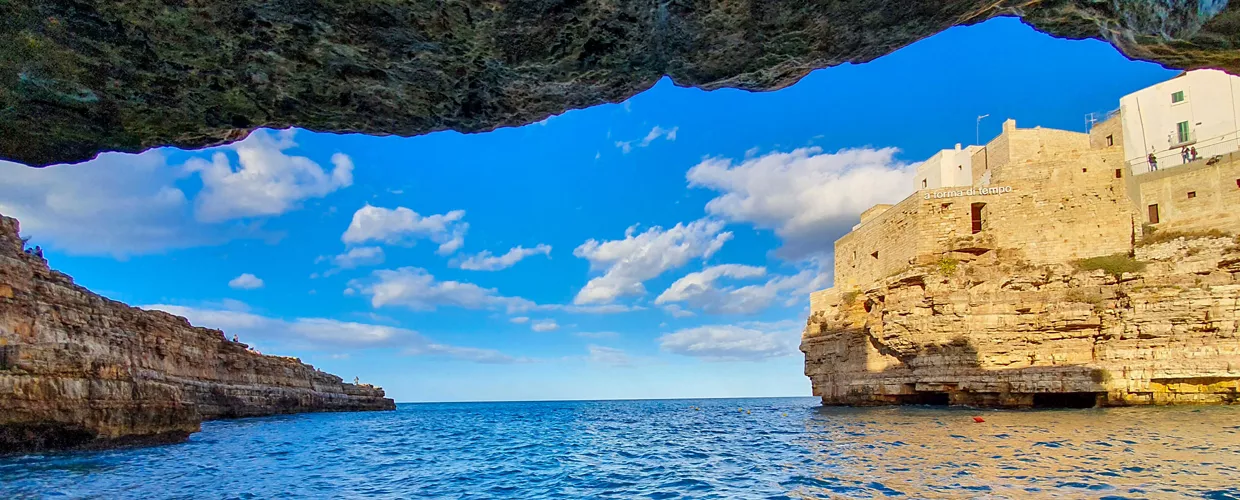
[1196, 109]
[947, 168]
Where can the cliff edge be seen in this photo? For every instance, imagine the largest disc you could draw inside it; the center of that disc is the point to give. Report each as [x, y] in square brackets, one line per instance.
[1159, 327]
[81, 371]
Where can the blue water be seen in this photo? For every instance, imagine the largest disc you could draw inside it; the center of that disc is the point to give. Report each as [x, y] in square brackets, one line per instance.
[726, 448]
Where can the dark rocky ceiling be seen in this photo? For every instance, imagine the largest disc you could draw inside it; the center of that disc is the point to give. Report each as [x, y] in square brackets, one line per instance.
[79, 77]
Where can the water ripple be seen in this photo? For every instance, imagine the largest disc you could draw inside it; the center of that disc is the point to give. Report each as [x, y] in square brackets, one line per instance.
[759, 448]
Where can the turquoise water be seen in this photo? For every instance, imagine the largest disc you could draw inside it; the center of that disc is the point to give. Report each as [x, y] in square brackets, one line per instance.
[722, 448]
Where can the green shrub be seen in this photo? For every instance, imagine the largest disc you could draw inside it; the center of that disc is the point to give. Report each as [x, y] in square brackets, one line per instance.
[1115, 265]
[850, 297]
[947, 266]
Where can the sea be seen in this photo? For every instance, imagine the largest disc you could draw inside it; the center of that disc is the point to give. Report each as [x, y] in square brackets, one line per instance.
[708, 448]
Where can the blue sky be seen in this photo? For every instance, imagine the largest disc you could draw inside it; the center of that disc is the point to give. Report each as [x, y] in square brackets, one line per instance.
[661, 247]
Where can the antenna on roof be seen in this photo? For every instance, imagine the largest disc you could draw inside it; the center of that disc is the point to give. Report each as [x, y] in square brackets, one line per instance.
[978, 130]
[1090, 120]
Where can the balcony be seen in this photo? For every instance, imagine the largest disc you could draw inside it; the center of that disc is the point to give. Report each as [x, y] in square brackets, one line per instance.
[1182, 139]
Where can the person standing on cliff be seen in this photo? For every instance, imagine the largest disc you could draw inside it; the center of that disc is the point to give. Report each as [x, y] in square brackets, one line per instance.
[235, 339]
[38, 251]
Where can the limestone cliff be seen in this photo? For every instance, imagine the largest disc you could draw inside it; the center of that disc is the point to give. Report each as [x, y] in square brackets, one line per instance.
[80, 371]
[994, 330]
[84, 76]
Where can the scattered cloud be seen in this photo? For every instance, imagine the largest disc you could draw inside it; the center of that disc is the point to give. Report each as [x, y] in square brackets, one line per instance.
[403, 226]
[702, 289]
[326, 334]
[520, 319]
[806, 196]
[655, 134]
[752, 341]
[608, 356]
[677, 312]
[354, 258]
[638, 257]
[544, 325]
[246, 281]
[266, 181]
[416, 289]
[484, 261]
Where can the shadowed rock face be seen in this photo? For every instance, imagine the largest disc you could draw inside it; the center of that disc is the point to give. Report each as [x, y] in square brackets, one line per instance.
[79, 77]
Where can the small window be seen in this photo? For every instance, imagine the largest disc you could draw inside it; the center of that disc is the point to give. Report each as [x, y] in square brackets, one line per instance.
[1154, 214]
[1119, 173]
[1177, 97]
[1192, 194]
[875, 255]
[946, 206]
[1182, 131]
[1083, 170]
[1237, 183]
[1110, 140]
[959, 167]
[923, 184]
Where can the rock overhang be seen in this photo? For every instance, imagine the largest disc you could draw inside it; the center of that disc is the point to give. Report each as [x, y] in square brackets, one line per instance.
[80, 78]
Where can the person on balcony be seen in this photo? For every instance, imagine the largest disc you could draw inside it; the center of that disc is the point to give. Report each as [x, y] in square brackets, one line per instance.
[1153, 162]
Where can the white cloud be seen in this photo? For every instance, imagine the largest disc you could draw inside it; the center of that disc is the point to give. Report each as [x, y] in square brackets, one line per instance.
[544, 325]
[702, 289]
[608, 356]
[808, 197]
[642, 256]
[745, 342]
[520, 319]
[355, 257]
[117, 204]
[484, 261]
[677, 312]
[402, 226]
[322, 333]
[654, 135]
[266, 181]
[246, 281]
[417, 289]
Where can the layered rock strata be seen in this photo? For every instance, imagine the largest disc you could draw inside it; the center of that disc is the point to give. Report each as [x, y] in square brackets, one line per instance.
[85, 76]
[80, 371]
[994, 330]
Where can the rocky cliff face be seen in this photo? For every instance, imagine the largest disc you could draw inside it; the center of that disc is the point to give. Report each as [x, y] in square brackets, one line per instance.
[996, 331]
[79, 371]
[81, 77]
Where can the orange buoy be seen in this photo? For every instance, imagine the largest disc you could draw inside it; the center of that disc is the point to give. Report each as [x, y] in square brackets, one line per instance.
[978, 419]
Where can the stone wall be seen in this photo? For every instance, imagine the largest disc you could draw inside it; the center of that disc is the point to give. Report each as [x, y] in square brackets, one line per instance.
[1002, 331]
[78, 370]
[1108, 133]
[884, 244]
[1216, 200]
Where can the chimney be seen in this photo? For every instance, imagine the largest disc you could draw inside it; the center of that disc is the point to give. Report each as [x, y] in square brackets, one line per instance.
[957, 146]
[1009, 125]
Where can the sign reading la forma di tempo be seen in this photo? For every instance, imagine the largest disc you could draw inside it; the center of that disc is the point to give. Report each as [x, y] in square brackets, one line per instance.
[967, 192]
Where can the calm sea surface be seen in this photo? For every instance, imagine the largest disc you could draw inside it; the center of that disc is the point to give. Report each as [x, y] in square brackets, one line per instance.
[773, 448]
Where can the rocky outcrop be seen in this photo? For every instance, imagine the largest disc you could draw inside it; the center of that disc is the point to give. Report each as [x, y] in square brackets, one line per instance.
[80, 371]
[996, 331]
[78, 77]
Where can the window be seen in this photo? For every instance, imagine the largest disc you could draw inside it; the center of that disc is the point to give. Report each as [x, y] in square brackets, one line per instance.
[1237, 183]
[1083, 170]
[875, 255]
[923, 184]
[1119, 173]
[1184, 134]
[1177, 97]
[959, 167]
[1154, 214]
[1192, 194]
[1110, 140]
[976, 216]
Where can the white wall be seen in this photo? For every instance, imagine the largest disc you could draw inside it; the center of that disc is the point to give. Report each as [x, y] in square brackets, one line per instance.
[947, 168]
[1210, 107]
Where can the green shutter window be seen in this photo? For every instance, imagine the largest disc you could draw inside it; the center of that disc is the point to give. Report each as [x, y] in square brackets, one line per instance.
[1183, 130]
[1177, 97]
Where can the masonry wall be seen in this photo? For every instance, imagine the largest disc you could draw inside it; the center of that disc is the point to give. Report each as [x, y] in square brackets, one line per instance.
[1216, 204]
[1112, 128]
[892, 235]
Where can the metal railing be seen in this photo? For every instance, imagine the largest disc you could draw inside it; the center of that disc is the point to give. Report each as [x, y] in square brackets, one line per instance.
[1171, 158]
